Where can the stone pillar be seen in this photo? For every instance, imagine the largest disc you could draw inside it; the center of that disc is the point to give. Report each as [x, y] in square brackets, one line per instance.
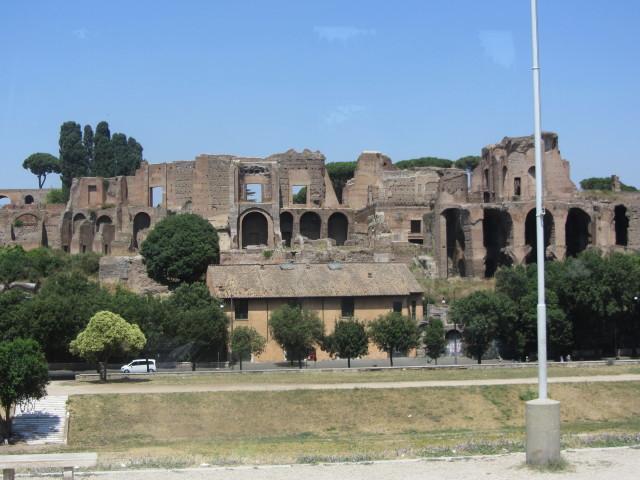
[543, 431]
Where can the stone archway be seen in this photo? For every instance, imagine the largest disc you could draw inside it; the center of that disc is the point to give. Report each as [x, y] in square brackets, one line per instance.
[338, 228]
[310, 225]
[141, 223]
[621, 225]
[28, 199]
[4, 201]
[286, 228]
[254, 229]
[497, 232]
[530, 237]
[577, 231]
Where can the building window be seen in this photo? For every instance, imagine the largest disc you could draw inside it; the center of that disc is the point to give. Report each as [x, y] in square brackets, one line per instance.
[413, 309]
[253, 192]
[416, 226]
[516, 186]
[397, 306]
[347, 307]
[242, 309]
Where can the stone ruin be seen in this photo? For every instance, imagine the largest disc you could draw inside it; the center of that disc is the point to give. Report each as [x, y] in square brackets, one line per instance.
[284, 207]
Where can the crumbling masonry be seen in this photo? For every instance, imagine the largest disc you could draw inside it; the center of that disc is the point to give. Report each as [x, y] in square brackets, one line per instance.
[470, 223]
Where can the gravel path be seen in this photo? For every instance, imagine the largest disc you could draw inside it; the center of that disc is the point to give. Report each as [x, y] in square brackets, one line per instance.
[63, 388]
[587, 464]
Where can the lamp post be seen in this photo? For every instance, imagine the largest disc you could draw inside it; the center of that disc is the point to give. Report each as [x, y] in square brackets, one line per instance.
[542, 414]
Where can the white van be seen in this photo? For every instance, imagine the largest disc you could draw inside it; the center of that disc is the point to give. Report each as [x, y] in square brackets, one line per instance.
[139, 366]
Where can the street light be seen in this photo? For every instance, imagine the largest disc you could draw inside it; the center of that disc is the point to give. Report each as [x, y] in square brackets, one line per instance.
[542, 414]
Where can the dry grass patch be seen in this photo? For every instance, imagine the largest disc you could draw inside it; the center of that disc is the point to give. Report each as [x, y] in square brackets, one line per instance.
[266, 427]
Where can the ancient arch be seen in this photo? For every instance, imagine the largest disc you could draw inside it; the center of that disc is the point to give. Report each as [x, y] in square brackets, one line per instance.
[77, 220]
[454, 342]
[497, 233]
[338, 227]
[103, 220]
[286, 228]
[28, 199]
[4, 201]
[141, 223]
[530, 237]
[455, 221]
[577, 231]
[621, 224]
[310, 224]
[254, 229]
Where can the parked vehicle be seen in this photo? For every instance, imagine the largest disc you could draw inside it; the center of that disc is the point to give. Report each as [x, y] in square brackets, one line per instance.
[139, 366]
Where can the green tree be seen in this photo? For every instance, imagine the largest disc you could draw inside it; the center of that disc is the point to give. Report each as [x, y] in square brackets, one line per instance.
[179, 249]
[296, 330]
[23, 379]
[394, 332]
[480, 314]
[348, 340]
[301, 196]
[41, 165]
[434, 340]
[106, 335]
[103, 153]
[339, 174]
[55, 196]
[199, 323]
[468, 163]
[424, 162]
[246, 341]
[73, 156]
[88, 143]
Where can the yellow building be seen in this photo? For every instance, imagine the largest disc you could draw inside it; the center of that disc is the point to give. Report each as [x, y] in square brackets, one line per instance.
[332, 290]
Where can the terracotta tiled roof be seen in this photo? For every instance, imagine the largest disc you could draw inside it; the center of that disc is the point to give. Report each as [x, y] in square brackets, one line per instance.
[311, 280]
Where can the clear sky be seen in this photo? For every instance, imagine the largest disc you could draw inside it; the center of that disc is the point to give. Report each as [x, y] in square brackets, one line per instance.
[408, 78]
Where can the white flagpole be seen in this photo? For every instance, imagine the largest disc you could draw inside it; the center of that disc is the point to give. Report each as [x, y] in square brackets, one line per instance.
[540, 250]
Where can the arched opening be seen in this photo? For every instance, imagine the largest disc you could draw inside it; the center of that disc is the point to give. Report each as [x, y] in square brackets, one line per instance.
[338, 227]
[255, 229]
[77, 220]
[286, 228]
[103, 220]
[577, 231]
[28, 199]
[454, 343]
[530, 237]
[4, 201]
[497, 236]
[141, 222]
[621, 223]
[310, 225]
[187, 207]
[455, 220]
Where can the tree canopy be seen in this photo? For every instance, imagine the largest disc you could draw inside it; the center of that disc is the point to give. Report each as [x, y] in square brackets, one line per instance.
[179, 249]
[24, 376]
[348, 340]
[339, 174]
[246, 341]
[296, 330]
[434, 340]
[603, 183]
[394, 332]
[41, 165]
[106, 335]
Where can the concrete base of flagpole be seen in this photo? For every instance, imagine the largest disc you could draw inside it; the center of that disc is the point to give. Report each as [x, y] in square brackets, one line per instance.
[543, 431]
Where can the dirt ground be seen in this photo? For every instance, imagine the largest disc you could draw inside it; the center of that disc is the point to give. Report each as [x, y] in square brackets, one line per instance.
[586, 464]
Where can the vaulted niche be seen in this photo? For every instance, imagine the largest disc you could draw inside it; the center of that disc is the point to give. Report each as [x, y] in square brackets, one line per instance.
[577, 231]
[530, 234]
[621, 223]
[338, 227]
[455, 219]
[497, 235]
[255, 230]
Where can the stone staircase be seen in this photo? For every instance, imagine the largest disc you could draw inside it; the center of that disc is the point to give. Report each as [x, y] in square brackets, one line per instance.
[45, 423]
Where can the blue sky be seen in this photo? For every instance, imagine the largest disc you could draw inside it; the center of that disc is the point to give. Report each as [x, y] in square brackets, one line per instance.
[409, 78]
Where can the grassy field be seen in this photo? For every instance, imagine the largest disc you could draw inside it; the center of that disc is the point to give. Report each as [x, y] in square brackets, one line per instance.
[355, 376]
[308, 426]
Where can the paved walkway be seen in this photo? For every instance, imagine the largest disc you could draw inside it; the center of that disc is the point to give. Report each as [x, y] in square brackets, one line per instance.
[44, 422]
[65, 388]
[588, 464]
